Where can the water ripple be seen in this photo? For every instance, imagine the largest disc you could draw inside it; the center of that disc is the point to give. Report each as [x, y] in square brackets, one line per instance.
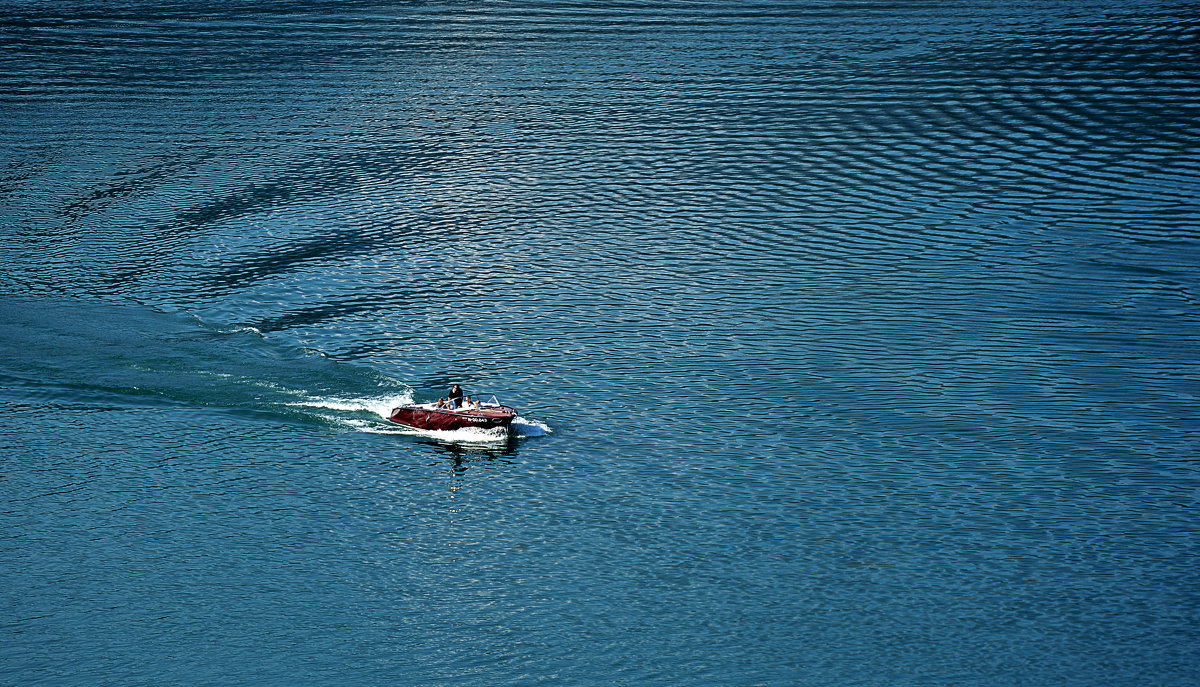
[891, 303]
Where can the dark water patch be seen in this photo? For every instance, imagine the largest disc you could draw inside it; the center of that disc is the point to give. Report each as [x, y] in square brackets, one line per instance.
[62, 352]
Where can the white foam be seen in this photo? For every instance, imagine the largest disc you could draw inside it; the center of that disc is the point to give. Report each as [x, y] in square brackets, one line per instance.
[228, 329]
[381, 406]
[372, 427]
[529, 428]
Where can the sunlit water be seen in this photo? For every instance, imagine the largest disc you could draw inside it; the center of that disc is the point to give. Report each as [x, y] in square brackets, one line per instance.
[853, 343]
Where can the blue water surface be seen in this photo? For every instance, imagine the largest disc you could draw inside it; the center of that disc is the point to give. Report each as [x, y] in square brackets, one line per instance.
[853, 343]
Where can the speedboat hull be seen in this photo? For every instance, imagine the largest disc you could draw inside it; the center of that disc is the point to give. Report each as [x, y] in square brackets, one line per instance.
[441, 419]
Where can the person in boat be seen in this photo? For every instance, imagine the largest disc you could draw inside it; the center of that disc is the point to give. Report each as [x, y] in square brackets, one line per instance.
[440, 404]
[456, 397]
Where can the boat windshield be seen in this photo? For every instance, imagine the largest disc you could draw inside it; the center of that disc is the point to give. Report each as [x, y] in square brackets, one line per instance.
[469, 403]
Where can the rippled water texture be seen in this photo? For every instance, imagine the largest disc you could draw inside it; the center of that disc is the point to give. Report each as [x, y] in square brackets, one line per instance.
[854, 343]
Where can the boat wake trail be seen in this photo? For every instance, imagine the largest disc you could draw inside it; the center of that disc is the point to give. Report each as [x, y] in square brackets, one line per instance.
[56, 354]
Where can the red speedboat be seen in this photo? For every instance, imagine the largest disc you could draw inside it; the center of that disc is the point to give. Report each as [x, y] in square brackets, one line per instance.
[479, 415]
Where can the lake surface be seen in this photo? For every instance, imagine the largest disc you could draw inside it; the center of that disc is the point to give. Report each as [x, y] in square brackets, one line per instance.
[854, 343]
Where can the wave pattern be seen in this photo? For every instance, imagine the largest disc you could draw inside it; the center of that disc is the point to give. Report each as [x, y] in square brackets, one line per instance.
[896, 301]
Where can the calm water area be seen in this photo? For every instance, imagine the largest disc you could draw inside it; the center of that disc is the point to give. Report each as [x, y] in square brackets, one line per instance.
[853, 342]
